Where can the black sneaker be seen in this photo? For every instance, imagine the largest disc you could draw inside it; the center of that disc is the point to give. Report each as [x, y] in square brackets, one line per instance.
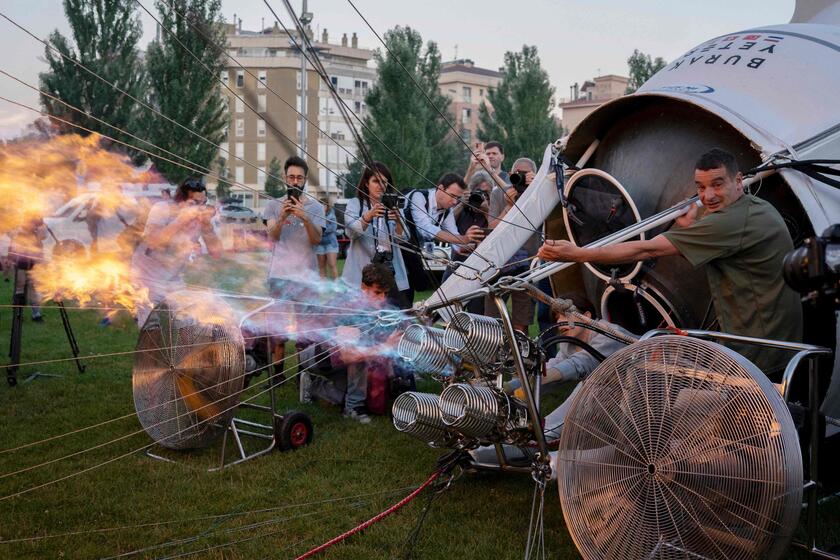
[38, 319]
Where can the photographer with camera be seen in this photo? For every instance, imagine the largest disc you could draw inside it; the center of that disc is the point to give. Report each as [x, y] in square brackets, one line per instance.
[488, 158]
[172, 232]
[473, 213]
[374, 223]
[501, 202]
[295, 225]
[429, 217]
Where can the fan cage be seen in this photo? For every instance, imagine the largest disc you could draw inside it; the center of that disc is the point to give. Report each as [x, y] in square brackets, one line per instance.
[189, 370]
[679, 448]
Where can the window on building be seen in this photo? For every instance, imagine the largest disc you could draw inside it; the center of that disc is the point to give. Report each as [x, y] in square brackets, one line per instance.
[334, 80]
[262, 78]
[481, 92]
[240, 150]
[260, 151]
[297, 76]
[466, 134]
[261, 103]
[298, 103]
[240, 78]
[240, 127]
[240, 105]
[466, 115]
[261, 176]
[467, 93]
[357, 105]
[225, 76]
[224, 148]
[260, 127]
[240, 175]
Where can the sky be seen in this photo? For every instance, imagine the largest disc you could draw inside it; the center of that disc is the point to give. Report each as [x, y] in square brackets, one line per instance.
[576, 39]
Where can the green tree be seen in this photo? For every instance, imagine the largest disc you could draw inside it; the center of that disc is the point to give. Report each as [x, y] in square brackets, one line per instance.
[105, 36]
[641, 68]
[401, 116]
[223, 185]
[184, 89]
[274, 186]
[521, 118]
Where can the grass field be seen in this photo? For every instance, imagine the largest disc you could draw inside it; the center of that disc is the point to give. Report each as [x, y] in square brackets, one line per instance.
[124, 504]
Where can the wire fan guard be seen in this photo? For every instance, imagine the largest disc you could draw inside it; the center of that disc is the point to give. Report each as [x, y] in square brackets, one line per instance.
[188, 371]
[679, 448]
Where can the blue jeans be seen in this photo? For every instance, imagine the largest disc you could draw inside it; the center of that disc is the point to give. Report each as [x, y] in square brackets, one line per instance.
[356, 386]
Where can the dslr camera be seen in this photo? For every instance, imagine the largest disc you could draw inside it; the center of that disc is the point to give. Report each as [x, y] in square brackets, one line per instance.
[476, 199]
[392, 200]
[517, 181]
[814, 268]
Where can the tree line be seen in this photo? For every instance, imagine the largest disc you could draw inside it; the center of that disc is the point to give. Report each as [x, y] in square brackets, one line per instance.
[409, 125]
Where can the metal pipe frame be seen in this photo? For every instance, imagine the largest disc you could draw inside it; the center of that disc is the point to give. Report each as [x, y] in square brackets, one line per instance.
[530, 400]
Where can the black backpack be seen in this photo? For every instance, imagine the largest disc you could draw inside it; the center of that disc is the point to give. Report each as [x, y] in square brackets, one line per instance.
[419, 278]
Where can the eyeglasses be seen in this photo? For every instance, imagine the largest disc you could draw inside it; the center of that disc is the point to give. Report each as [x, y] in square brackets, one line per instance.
[296, 178]
[195, 185]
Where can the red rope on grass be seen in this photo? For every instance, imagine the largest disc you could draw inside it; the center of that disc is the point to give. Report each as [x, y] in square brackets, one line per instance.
[372, 520]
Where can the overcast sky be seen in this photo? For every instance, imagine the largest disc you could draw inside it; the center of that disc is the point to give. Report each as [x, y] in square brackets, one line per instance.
[577, 39]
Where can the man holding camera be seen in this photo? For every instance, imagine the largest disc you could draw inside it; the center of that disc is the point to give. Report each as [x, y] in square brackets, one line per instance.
[741, 240]
[295, 224]
[429, 216]
[501, 202]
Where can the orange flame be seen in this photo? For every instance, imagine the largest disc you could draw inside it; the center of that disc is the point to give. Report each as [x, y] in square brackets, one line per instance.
[100, 279]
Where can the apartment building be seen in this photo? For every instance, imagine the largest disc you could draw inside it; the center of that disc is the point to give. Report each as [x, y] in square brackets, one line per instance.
[264, 125]
[467, 85]
[588, 97]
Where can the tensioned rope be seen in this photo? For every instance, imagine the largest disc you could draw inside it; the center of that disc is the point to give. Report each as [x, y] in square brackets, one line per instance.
[142, 448]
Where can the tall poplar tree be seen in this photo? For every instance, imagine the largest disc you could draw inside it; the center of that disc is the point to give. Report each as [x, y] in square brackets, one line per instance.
[184, 89]
[105, 36]
[401, 116]
[521, 116]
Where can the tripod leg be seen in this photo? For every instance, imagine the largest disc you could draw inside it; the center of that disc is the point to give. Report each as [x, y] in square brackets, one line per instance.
[71, 338]
[18, 303]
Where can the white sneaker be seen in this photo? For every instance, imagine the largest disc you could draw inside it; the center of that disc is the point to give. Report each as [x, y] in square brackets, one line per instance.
[359, 417]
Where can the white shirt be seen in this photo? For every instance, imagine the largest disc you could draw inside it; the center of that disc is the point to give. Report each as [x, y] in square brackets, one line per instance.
[429, 222]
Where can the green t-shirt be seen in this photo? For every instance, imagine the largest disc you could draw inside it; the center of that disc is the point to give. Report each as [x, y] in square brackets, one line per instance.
[742, 247]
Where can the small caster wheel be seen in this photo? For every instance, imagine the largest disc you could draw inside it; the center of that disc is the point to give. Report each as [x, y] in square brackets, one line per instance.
[293, 430]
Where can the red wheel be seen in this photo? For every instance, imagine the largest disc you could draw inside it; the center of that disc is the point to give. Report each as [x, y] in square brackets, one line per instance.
[294, 431]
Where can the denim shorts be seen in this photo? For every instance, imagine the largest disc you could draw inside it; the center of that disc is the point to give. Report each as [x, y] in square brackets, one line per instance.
[331, 247]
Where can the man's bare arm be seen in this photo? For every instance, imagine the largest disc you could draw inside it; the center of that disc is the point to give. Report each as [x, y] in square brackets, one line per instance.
[629, 251]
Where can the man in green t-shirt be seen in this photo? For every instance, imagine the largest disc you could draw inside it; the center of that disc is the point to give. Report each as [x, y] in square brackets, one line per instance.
[740, 239]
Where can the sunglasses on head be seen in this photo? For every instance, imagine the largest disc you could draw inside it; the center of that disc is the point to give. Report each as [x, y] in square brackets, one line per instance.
[195, 185]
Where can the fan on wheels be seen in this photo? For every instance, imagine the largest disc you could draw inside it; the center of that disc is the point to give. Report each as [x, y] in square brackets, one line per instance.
[188, 371]
[679, 448]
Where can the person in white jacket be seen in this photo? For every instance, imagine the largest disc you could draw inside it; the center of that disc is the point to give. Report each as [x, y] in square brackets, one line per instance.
[374, 229]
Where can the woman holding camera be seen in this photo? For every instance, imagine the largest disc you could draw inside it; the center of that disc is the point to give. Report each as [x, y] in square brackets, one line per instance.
[374, 223]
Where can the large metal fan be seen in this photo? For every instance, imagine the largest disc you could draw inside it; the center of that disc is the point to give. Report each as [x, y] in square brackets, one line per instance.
[679, 448]
[188, 371]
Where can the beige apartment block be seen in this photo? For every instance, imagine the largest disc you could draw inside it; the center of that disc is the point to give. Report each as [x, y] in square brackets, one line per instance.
[265, 122]
[588, 97]
[467, 85]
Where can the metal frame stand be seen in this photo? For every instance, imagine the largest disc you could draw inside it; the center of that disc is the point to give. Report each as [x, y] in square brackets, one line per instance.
[20, 293]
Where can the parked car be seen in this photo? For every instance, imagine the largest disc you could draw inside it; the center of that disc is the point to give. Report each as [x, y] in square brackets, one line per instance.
[235, 213]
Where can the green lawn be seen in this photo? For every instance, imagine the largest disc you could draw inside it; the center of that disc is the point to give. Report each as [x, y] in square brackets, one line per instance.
[275, 506]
